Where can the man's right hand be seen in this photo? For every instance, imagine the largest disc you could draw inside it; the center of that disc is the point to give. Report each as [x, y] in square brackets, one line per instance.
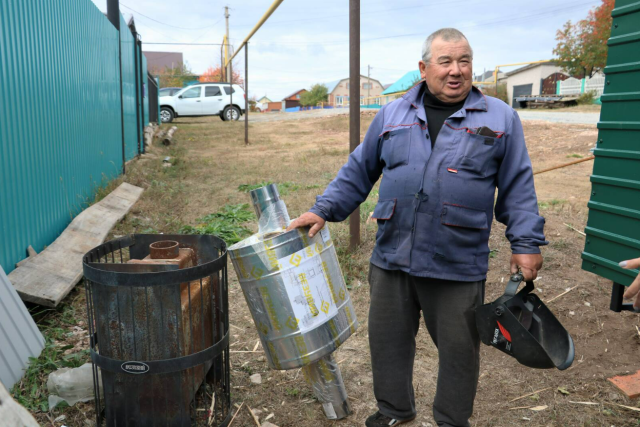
[306, 219]
[633, 291]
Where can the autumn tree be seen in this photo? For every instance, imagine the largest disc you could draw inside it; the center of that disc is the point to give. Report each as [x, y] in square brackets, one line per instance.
[582, 47]
[176, 76]
[214, 75]
[318, 93]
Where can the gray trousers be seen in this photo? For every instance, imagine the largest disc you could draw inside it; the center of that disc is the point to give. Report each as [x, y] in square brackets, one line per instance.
[394, 314]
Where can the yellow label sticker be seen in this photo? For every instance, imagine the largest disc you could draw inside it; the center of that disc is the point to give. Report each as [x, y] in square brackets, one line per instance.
[334, 332]
[263, 328]
[326, 372]
[243, 270]
[352, 327]
[302, 348]
[272, 256]
[308, 251]
[268, 303]
[327, 276]
[295, 259]
[324, 306]
[274, 355]
[292, 322]
[342, 294]
[257, 272]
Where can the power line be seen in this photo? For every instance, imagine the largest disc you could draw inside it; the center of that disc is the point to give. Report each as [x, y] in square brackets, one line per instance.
[192, 44]
[511, 18]
[497, 21]
[448, 3]
[168, 25]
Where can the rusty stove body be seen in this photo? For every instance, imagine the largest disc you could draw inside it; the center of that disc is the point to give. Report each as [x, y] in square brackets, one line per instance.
[158, 311]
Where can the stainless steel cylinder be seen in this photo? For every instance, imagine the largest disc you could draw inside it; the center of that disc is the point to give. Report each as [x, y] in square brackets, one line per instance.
[263, 197]
[296, 293]
[326, 380]
[294, 288]
[270, 209]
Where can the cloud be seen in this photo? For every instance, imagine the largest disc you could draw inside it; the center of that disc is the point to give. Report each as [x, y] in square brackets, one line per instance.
[308, 42]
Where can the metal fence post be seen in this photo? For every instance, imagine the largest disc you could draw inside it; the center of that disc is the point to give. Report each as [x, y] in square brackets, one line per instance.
[354, 105]
[247, 107]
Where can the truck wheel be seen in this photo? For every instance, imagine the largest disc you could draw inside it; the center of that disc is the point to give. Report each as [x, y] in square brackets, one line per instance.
[222, 117]
[231, 113]
[166, 115]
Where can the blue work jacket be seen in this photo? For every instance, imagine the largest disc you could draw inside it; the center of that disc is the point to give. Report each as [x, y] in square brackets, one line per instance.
[435, 207]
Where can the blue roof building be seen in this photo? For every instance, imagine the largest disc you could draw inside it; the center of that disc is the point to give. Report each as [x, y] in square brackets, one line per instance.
[405, 83]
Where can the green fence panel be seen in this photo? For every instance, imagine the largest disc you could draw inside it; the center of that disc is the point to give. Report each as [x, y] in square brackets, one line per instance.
[60, 134]
[613, 227]
[129, 100]
[145, 85]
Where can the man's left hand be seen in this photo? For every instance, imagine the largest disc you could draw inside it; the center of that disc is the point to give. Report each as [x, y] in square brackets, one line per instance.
[528, 263]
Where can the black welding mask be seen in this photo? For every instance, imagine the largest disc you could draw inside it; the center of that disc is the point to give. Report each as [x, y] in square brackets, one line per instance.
[520, 325]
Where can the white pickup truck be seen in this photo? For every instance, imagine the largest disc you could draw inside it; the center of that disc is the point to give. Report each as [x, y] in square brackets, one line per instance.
[204, 99]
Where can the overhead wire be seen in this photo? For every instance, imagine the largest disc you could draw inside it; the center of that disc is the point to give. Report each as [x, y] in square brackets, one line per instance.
[511, 18]
[169, 25]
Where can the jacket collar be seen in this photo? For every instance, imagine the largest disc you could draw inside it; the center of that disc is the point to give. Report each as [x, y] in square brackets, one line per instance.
[476, 101]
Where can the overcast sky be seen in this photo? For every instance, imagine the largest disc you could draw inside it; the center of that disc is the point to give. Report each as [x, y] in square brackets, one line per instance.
[308, 42]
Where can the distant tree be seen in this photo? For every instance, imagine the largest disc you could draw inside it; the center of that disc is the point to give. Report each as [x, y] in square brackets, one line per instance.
[214, 75]
[175, 76]
[582, 47]
[318, 93]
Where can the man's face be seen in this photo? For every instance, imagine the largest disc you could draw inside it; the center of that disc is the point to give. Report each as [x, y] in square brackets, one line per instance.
[449, 72]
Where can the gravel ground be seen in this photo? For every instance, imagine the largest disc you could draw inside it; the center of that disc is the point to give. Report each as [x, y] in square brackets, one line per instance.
[279, 116]
[548, 116]
[560, 117]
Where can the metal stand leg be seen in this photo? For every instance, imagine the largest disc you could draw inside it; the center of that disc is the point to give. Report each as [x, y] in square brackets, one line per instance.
[616, 299]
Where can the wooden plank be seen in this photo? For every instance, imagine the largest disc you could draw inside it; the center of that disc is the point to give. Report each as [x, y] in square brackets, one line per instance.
[12, 414]
[48, 277]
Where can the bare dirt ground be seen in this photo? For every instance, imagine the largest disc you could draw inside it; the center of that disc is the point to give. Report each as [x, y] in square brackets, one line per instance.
[211, 162]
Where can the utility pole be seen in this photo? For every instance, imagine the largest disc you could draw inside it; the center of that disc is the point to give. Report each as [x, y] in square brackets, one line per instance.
[221, 63]
[354, 105]
[228, 70]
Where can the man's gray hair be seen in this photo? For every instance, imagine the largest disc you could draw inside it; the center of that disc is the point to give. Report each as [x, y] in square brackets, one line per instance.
[446, 34]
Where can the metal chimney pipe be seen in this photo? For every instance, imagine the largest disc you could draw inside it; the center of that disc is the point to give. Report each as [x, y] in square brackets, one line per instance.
[113, 13]
[270, 209]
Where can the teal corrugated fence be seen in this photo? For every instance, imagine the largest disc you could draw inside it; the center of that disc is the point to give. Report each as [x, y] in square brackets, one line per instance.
[145, 91]
[60, 127]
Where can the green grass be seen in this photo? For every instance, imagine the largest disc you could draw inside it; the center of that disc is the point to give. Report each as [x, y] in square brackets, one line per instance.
[284, 188]
[574, 155]
[226, 224]
[31, 392]
[553, 203]
[245, 188]
[368, 205]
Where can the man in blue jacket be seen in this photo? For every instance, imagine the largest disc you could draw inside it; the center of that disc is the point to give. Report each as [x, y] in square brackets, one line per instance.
[442, 150]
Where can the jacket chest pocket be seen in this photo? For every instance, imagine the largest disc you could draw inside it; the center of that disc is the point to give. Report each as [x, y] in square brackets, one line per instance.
[478, 154]
[396, 147]
[462, 235]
